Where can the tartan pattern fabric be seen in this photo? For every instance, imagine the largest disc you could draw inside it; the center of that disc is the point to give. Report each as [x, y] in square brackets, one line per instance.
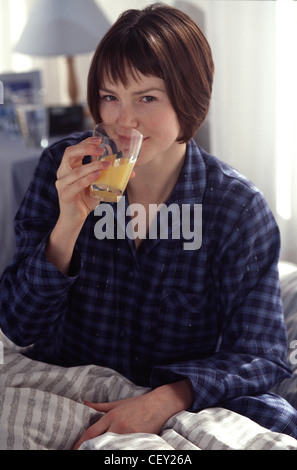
[159, 313]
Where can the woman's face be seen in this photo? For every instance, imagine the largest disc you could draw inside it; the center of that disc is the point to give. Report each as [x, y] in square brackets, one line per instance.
[144, 105]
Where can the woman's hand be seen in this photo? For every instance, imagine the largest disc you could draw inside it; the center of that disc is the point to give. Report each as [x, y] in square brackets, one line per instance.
[73, 187]
[74, 180]
[147, 413]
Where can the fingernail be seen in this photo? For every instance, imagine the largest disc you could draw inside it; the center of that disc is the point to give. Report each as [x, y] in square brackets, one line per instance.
[105, 164]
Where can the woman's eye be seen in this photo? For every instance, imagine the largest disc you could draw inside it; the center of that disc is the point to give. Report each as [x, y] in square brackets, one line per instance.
[107, 97]
[148, 99]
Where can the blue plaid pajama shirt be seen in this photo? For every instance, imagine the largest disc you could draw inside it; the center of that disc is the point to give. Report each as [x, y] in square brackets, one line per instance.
[160, 313]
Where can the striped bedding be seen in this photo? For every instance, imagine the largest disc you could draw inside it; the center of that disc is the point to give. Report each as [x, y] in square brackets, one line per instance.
[41, 407]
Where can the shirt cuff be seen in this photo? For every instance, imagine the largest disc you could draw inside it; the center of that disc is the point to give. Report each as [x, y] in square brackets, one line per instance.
[45, 278]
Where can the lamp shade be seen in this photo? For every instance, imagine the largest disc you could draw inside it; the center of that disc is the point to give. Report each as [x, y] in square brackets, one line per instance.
[62, 27]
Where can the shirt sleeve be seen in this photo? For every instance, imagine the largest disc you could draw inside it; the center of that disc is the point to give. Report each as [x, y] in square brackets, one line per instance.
[32, 291]
[251, 356]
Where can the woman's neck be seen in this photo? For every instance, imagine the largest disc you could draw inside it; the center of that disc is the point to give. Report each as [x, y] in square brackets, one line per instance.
[155, 181]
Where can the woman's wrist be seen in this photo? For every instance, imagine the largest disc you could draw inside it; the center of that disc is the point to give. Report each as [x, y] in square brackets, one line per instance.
[60, 245]
[175, 397]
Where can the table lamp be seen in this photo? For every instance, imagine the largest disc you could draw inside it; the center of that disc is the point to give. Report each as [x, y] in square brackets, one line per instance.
[63, 27]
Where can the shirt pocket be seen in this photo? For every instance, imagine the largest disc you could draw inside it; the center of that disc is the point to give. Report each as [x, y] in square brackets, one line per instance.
[186, 327]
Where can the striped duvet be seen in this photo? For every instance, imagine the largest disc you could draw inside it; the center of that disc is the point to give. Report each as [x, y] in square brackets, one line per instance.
[41, 407]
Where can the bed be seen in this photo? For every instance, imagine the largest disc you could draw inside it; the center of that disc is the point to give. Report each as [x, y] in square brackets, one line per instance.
[41, 405]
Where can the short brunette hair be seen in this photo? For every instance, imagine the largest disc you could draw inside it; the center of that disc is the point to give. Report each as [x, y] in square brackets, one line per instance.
[157, 41]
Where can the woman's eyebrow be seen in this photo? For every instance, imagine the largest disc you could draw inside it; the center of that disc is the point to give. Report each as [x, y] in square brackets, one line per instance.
[106, 90]
[140, 92]
[148, 90]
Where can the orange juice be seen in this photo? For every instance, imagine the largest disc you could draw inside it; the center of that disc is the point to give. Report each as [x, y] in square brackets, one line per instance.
[112, 181]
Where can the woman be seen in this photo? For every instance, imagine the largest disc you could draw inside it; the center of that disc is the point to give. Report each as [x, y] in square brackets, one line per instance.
[201, 327]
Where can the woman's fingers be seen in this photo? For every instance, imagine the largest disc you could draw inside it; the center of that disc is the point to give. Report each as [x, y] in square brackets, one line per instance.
[82, 171]
[79, 179]
[100, 427]
[102, 407]
[74, 155]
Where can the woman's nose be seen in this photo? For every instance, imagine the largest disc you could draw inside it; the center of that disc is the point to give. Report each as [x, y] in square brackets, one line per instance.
[127, 116]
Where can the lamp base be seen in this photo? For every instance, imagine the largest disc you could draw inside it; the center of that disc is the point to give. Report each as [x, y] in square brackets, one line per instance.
[72, 81]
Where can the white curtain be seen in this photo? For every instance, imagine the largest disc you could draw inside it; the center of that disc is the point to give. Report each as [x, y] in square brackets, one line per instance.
[286, 125]
[254, 107]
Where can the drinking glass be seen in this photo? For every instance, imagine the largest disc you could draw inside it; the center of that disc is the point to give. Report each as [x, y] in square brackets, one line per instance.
[121, 146]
